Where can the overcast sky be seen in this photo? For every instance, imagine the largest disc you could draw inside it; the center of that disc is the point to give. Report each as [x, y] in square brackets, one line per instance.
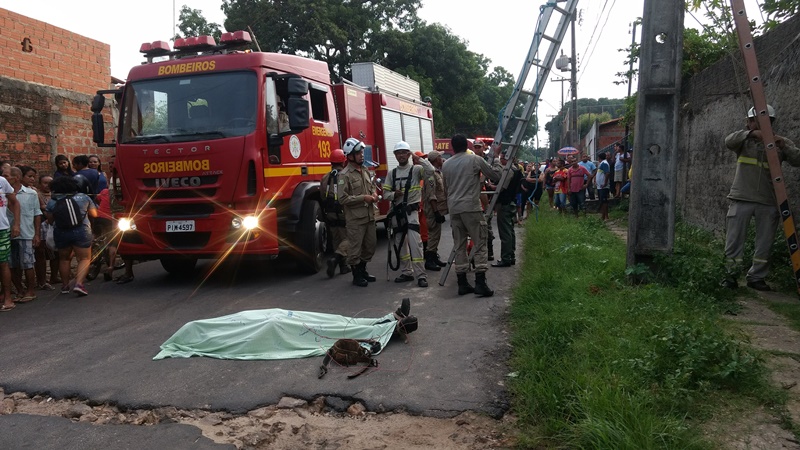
[501, 30]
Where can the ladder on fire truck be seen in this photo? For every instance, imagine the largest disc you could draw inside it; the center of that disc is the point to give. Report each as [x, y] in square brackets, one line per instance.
[768, 137]
[521, 106]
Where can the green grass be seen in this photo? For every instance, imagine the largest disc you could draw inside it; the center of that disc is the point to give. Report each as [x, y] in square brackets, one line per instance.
[604, 364]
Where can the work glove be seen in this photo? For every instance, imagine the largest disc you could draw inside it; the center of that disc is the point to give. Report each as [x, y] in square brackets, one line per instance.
[438, 217]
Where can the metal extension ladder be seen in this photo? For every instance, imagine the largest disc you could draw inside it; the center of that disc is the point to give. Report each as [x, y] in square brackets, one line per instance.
[524, 102]
[768, 137]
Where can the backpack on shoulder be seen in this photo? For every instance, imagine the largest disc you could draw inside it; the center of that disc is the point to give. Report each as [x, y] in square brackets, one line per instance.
[67, 213]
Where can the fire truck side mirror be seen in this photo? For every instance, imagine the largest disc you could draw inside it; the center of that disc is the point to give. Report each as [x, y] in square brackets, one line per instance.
[98, 129]
[297, 87]
[98, 103]
[298, 114]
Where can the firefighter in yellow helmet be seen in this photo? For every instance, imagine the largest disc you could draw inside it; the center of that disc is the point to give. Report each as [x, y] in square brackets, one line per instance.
[334, 213]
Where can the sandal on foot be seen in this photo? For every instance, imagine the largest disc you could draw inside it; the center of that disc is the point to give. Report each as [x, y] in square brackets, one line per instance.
[7, 308]
[25, 299]
[124, 279]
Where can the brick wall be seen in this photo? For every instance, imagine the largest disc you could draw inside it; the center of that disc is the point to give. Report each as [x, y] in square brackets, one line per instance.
[58, 58]
[610, 133]
[714, 103]
[45, 93]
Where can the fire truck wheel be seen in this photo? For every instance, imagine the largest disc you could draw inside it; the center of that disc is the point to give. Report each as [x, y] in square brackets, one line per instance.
[311, 238]
[179, 266]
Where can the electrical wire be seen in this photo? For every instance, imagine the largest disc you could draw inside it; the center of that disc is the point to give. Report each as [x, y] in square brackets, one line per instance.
[588, 58]
[599, 17]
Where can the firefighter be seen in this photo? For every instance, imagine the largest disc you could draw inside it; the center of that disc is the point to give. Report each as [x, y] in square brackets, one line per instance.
[435, 208]
[462, 177]
[358, 197]
[334, 214]
[402, 188]
[752, 197]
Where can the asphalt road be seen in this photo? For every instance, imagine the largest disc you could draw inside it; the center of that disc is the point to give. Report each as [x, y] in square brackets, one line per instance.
[100, 347]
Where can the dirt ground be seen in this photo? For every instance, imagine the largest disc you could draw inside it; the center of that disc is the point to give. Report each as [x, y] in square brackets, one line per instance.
[292, 424]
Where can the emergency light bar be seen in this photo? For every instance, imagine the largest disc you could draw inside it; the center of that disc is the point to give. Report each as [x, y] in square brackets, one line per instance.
[195, 43]
[152, 49]
[235, 38]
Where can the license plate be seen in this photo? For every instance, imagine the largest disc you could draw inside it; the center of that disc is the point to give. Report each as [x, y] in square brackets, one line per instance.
[178, 226]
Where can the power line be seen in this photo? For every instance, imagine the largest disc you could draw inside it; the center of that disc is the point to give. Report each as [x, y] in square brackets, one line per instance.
[586, 60]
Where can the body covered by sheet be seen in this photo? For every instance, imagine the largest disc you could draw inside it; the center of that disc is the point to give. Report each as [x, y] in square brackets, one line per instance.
[272, 334]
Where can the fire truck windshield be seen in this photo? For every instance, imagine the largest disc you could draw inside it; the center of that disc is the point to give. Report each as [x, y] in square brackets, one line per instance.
[189, 108]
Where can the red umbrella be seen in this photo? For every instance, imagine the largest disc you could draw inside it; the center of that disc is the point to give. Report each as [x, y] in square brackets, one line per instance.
[566, 151]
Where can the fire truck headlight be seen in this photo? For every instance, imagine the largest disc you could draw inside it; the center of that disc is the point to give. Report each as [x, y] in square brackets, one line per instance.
[126, 224]
[236, 223]
[250, 222]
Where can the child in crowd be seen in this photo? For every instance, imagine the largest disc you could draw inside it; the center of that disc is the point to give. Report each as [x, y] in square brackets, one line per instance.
[42, 252]
[22, 257]
[8, 202]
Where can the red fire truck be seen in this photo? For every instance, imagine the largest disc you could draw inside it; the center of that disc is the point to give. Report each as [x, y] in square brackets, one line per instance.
[219, 150]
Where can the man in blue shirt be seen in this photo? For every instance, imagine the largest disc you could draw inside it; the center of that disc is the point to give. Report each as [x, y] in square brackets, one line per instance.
[592, 169]
[80, 164]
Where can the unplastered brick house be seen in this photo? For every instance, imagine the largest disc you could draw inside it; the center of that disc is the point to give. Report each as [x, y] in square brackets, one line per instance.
[48, 77]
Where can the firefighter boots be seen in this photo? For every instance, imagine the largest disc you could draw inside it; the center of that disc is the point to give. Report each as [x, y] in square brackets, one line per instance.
[364, 274]
[430, 262]
[343, 268]
[332, 266]
[481, 288]
[439, 261]
[358, 279]
[335, 260]
[463, 285]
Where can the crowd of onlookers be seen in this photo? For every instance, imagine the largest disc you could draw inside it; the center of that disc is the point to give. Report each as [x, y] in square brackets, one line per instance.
[570, 181]
[47, 221]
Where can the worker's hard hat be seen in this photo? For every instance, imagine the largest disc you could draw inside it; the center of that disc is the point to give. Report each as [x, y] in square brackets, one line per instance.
[352, 145]
[337, 156]
[402, 145]
[770, 112]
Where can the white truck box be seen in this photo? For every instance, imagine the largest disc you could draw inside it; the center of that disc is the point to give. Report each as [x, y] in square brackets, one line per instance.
[380, 79]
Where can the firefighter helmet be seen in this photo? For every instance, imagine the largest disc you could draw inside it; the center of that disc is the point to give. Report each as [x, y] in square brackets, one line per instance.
[402, 145]
[352, 145]
[337, 156]
[770, 112]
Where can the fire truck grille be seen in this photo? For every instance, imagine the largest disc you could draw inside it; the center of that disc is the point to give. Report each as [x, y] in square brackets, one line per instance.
[185, 193]
[186, 241]
[183, 210]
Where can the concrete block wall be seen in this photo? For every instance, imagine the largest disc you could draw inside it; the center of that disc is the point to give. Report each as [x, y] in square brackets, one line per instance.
[45, 93]
[714, 103]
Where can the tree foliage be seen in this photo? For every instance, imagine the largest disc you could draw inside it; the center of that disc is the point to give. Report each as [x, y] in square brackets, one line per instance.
[192, 23]
[602, 108]
[447, 72]
[337, 32]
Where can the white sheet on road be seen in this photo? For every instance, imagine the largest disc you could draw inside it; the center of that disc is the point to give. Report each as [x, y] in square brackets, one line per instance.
[272, 334]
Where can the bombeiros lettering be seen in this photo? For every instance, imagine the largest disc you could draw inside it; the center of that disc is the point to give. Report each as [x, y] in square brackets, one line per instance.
[190, 165]
[199, 66]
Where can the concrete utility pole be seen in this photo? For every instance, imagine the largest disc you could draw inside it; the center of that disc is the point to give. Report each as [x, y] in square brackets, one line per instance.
[574, 136]
[651, 222]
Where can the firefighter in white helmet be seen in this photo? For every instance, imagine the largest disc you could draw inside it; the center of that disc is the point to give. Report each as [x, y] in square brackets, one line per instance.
[404, 190]
[752, 195]
[358, 196]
